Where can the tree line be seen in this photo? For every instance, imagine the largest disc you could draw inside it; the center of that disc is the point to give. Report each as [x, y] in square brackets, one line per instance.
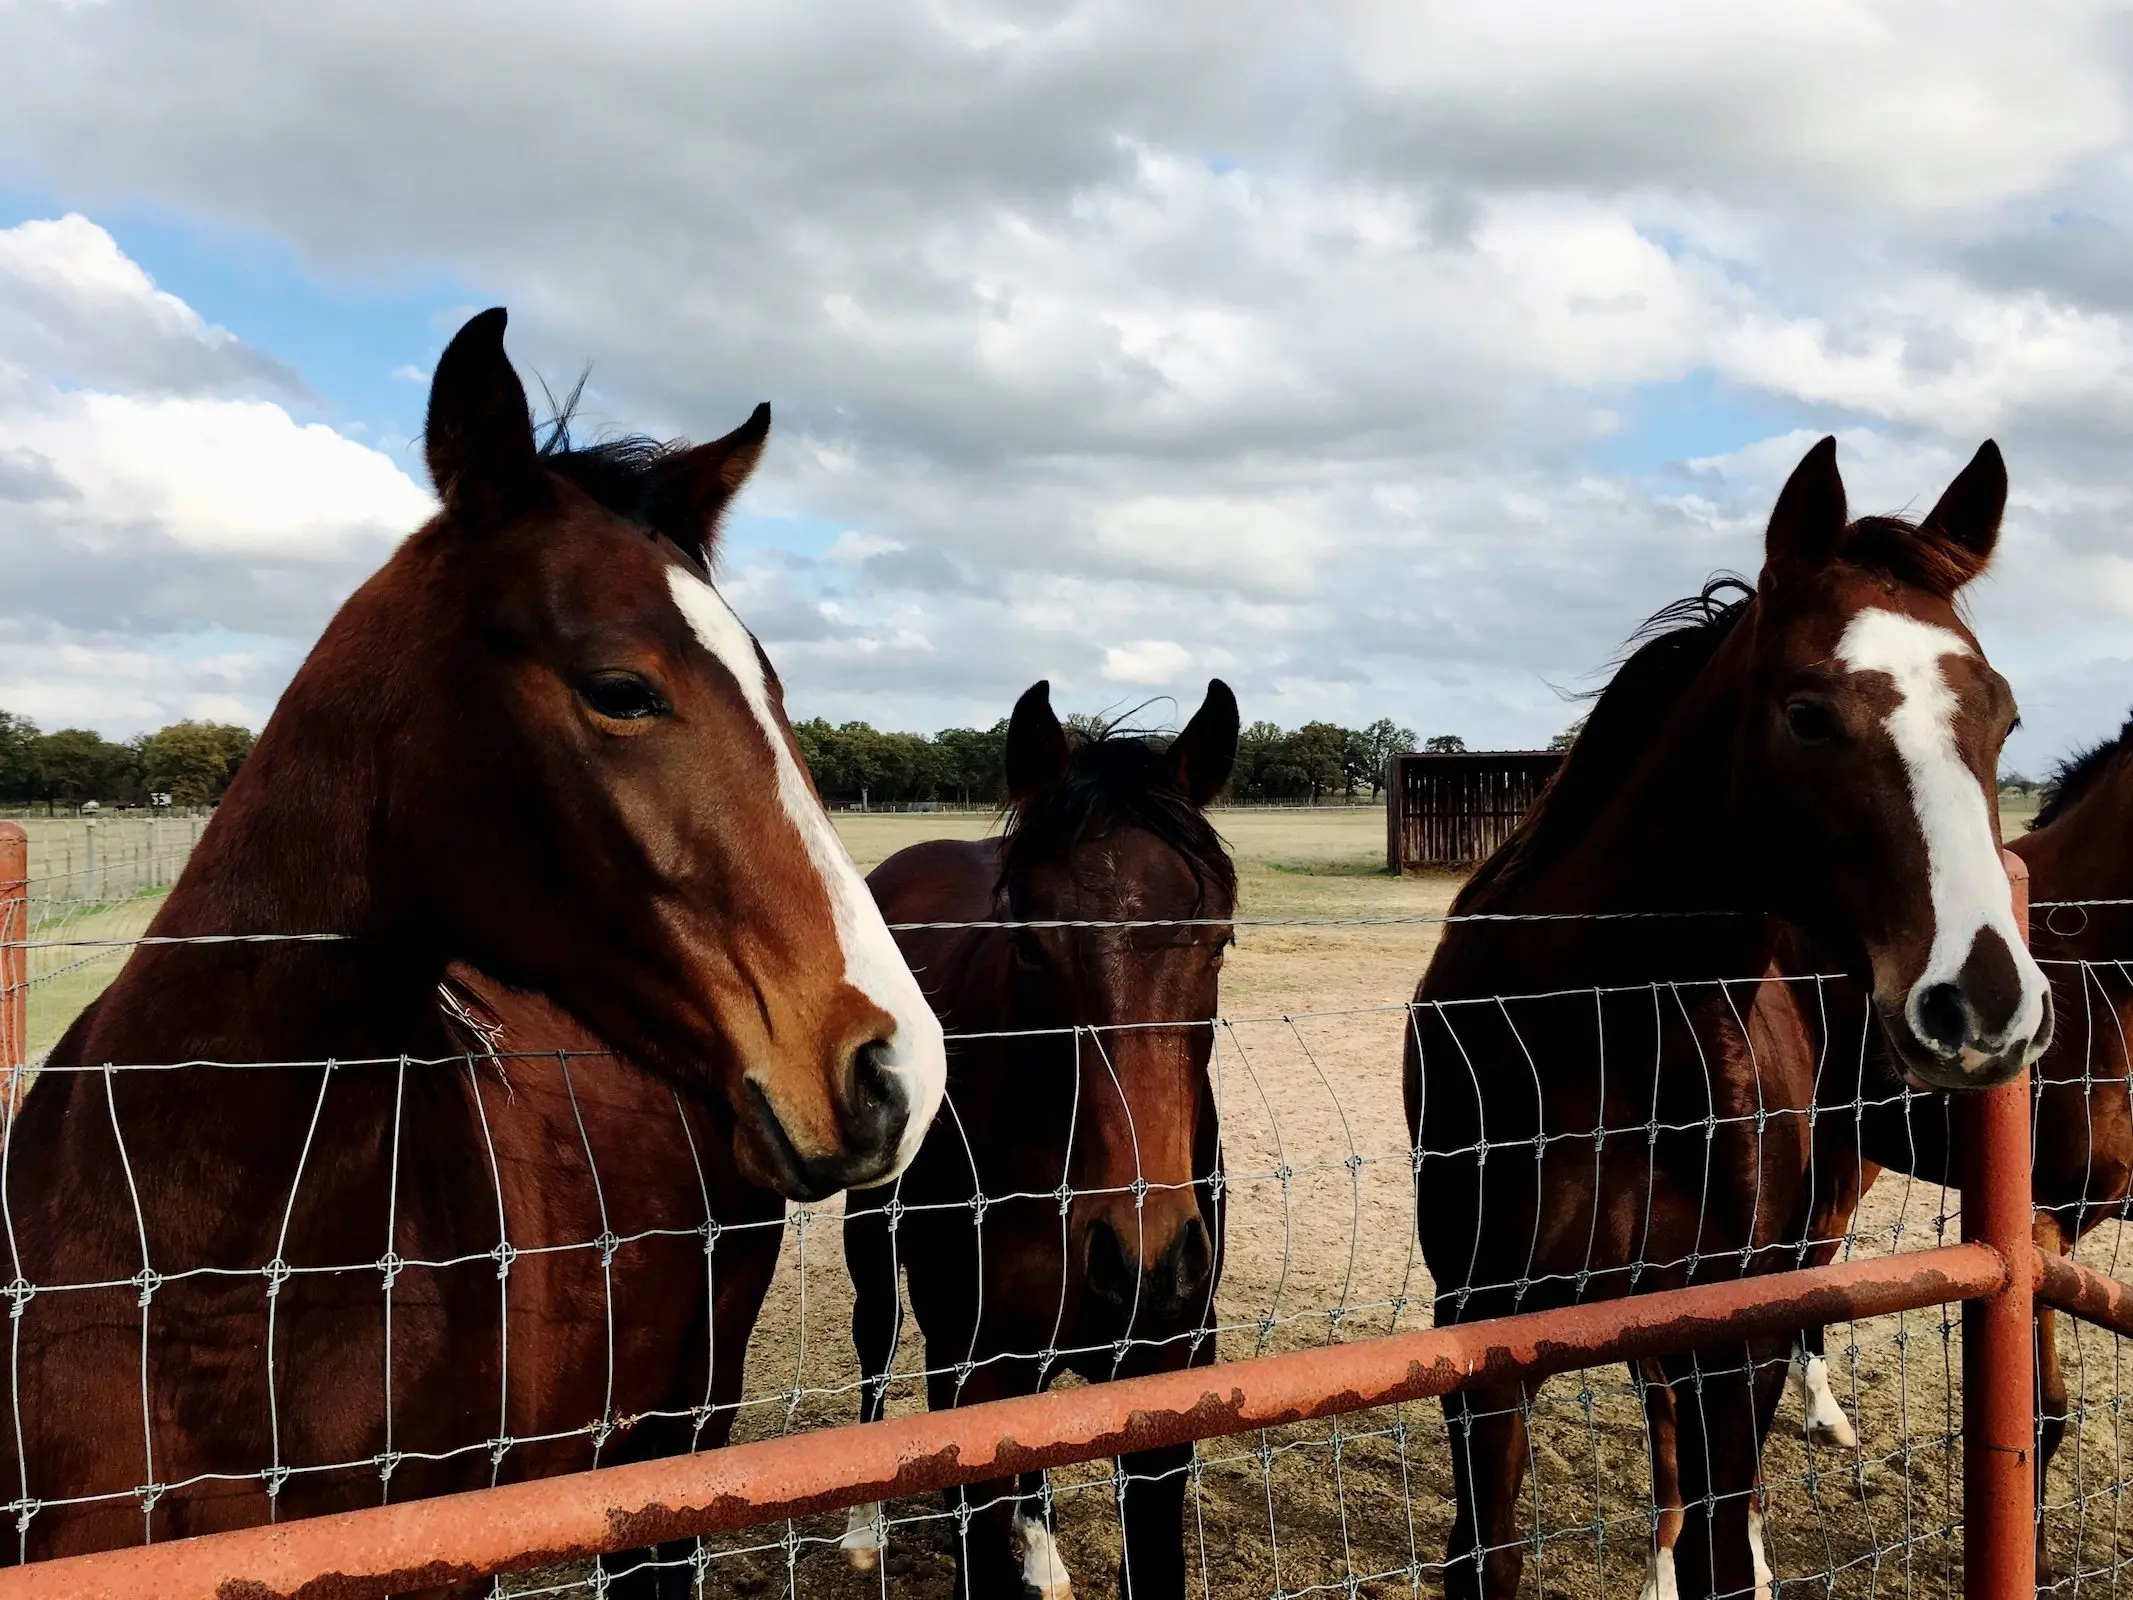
[192, 762]
[854, 761]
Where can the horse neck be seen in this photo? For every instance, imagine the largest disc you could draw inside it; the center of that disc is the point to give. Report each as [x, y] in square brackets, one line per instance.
[294, 848]
[2085, 854]
[1663, 844]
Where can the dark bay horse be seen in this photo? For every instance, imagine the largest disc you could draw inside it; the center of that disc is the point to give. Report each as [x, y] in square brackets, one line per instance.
[1078, 1057]
[1818, 755]
[278, 1258]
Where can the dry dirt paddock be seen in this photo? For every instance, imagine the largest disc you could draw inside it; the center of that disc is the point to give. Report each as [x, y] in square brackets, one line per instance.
[1309, 1081]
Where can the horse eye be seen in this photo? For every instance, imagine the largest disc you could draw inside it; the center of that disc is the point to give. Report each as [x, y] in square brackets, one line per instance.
[622, 696]
[1028, 954]
[1811, 721]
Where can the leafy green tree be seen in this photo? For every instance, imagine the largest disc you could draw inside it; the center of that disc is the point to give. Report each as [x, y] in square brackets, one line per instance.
[1316, 757]
[19, 771]
[77, 764]
[973, 763]
[1444, 744]
[193, 762]
[1260, 758]
[1568, 737]
[1371, 749]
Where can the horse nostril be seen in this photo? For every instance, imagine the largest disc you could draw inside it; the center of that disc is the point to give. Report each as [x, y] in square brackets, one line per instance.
[1942, 1018]
[1190, 1260]
[875, 1106]
[1107, 1271]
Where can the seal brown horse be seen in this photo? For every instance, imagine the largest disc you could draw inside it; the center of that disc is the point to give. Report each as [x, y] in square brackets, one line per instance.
[1079, 1108]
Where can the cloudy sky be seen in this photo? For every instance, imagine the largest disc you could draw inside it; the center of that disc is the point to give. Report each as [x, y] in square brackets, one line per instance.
[1383, 360]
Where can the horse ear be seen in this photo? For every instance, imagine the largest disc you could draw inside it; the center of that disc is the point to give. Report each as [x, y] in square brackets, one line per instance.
[705, 479]
[479, 435]
[1036, 744]
[1206, 751]
[1967, 519]
[1810, 518]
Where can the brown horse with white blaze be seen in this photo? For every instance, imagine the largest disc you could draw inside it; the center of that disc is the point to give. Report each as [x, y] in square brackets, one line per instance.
[1079, 1108]
[538, 743]
[1816, 758]
[2079, 848]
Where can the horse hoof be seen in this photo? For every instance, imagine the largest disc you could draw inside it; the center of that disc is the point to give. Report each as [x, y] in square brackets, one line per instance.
[861, 1543]
[1834, 1433]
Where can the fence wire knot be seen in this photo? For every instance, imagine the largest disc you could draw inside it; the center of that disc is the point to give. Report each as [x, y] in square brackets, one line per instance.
[390, 1264]
[148, 1281]
[277, 1272]
[503, 1255]
[20, 1293]
[274, 1478]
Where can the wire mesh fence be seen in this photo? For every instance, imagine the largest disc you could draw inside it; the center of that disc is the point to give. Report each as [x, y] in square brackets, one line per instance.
[1313, 1206]
[91, 888]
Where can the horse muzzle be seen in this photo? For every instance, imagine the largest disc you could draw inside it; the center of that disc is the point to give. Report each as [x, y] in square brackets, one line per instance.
[860, 1142]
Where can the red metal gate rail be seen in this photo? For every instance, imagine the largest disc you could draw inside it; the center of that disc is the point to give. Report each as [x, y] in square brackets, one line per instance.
[454, 1538]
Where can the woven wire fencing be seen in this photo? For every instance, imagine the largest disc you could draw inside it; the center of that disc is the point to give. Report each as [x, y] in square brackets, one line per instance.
[1318, 1181]
[93, 886]
[2083, 1166]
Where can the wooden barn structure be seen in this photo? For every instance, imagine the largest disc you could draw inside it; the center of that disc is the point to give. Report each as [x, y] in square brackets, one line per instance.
[1451, 810]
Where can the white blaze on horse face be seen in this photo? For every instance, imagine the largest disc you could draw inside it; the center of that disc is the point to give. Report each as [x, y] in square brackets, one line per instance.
[1043, 1567]
[872, 963]
[1966, 881]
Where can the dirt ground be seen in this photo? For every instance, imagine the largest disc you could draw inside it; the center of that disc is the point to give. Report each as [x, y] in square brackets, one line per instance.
[1309, 1070]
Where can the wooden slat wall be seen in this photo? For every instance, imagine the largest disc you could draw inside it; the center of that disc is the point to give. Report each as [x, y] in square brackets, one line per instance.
[1454, 810]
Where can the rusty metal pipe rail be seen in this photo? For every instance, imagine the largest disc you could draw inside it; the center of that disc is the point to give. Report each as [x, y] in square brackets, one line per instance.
[456, 1538]
[2085, 1293]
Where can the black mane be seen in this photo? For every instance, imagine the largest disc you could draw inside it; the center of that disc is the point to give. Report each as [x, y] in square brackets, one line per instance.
[622, 476]
[1668, 653]
[1117, 780]
[2077, 773]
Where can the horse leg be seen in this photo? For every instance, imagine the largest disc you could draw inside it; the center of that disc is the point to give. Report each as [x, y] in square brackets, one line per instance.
[1661, 1429]
[2053, 1401]
[985, 1513]
[1044, 1569]
[1487, 1427]
[877, 1324]
[1151, 1562]
[1827, 1423]
[1724, 1406]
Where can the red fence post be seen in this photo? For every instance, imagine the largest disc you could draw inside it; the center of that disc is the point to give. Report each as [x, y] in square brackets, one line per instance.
[14, 962]
[1999, 1356]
